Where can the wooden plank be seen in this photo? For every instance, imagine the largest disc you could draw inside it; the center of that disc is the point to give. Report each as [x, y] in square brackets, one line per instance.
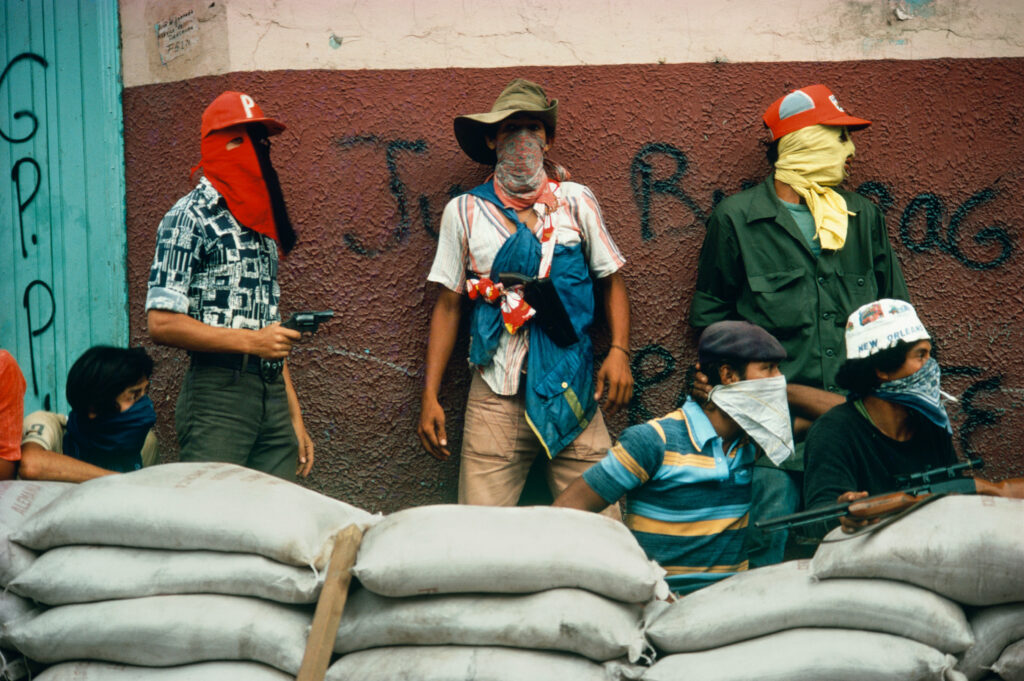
[320, 644]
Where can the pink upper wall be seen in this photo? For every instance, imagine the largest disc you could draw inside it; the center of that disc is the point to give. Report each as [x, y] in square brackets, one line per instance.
[369, 160]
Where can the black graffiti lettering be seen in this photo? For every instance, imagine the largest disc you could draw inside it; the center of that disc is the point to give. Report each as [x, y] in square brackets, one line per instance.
[880, 193]
[646, 187]
[34, 331]
[23, 113]
[976, 417]
[24, 203]
[395, 185]
[933, 210]
[642, 380]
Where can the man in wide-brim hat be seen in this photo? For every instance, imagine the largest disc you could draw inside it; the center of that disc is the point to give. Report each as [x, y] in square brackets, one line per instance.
[533, 388]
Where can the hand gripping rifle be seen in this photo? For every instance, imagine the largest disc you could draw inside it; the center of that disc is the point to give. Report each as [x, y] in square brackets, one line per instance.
[915, 488]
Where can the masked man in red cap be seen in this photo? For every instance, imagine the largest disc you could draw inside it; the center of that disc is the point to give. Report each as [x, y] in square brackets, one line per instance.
[795, 256]
[213, 291]
[533, 387]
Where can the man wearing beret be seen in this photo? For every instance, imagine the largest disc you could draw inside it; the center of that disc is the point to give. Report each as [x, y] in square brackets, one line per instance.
[213, 291]
[686, 476]
[796, 256]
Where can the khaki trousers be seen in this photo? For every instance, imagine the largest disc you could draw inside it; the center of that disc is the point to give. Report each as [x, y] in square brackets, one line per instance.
[498, 448]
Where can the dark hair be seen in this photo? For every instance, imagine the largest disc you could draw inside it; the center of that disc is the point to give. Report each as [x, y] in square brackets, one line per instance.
[101, 374]
[771, 150]
[859, 377]
[712, 368]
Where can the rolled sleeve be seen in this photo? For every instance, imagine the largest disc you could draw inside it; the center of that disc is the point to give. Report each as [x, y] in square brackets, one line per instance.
[178, 248]
[449, 267]
[634, 460]
[603, 256]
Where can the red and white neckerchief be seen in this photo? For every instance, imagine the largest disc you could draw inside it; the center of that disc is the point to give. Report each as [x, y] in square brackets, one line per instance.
[515, 311]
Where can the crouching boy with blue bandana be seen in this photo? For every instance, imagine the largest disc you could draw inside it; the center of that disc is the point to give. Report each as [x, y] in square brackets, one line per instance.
[686, 476]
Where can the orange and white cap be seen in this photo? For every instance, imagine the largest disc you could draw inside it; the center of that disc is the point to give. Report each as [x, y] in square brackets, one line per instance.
[811, 105]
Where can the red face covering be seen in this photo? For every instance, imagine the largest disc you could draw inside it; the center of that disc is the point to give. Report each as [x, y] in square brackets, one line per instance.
[244, 177]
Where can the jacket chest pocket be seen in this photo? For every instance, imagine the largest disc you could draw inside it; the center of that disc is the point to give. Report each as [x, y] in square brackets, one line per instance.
[779, 301]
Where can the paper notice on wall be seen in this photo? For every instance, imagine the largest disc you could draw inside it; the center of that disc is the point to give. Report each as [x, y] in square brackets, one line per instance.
[177, 35]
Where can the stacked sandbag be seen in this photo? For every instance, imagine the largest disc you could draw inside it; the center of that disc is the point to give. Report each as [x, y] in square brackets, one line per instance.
[178, 564]
[458, 592]
[19, 501]
[811, 655]
[203, 671]
[779, 597]
[780, 622]
[969, 548]
[1010, 665]
[995, 629]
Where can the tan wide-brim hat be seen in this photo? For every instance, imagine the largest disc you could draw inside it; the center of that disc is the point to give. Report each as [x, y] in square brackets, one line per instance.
[519, 96]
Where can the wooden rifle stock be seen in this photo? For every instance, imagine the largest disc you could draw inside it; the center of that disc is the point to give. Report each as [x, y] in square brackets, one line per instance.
[882, 505]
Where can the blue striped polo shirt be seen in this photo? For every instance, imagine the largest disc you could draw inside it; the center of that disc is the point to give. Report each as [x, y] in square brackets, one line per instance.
[686, 499]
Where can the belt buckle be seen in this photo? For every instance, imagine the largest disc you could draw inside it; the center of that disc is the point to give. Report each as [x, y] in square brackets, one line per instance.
[270, 369]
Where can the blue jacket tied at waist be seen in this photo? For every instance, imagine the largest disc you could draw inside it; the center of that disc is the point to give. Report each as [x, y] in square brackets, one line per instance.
[559, 381]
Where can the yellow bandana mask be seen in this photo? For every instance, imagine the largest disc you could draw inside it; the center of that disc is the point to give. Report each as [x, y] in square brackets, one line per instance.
[811, 161]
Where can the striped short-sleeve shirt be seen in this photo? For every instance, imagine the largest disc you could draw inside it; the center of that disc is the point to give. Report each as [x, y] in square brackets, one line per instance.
[473, 231]
[687, 500]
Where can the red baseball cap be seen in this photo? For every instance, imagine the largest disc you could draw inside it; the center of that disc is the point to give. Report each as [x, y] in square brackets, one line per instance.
[236, 108]
[811, 105]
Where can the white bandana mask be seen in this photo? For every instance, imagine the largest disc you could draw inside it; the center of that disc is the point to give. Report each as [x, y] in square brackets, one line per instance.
[760, 408]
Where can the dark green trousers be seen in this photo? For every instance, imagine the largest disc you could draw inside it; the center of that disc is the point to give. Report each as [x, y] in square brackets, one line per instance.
[234, 417]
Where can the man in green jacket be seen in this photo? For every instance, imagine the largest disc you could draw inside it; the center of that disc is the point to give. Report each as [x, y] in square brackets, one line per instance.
[796, 256]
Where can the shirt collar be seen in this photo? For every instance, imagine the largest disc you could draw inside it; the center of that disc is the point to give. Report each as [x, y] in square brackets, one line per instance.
[697, 424]
[765, 203]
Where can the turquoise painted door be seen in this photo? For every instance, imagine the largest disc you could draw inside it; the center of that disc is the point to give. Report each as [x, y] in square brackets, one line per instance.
[63, 285]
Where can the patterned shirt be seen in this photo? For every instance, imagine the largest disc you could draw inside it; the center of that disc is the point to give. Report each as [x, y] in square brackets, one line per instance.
[211, 268]
[687, 499]
[474, 230]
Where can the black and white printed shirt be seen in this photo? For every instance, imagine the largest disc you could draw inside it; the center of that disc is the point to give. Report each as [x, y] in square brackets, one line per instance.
[211, 268]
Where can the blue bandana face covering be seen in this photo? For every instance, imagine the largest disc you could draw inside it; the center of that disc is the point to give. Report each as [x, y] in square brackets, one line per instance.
[920, 391]
[112, 442]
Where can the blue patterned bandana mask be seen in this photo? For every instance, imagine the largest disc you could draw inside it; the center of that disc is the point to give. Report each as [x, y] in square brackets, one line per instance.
[920, 391]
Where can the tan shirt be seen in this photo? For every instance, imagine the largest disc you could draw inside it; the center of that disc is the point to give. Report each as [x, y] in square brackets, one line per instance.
[47, 429]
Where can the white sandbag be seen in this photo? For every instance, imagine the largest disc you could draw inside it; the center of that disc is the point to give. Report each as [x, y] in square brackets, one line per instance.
[456, 663]
[202, 506]
[19, 500]
[204, 671]
[460, 549]
[167, 630]
[811, 655]
[969, 548]
[994, 629]
[785, 596]
[1010, 665]
[570, 620]
[12, 607]
[82, 574]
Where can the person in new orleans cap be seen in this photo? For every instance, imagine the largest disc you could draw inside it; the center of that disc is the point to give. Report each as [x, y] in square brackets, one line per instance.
[796, 254]
[533, 389]
[686, 476]
[893, 423]
[213, 291]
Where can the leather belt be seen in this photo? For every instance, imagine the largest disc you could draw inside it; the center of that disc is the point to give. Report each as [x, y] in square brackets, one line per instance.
[227, 360]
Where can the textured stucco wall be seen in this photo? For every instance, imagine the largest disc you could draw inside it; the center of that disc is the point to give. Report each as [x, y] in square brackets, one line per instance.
[256, 35]
[369, 161]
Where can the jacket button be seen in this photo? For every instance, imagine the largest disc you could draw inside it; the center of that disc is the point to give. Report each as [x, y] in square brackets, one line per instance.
[860, 281]
[830, 352]
[564, 385]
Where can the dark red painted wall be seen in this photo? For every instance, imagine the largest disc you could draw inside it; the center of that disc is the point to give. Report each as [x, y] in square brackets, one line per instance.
[369, 160]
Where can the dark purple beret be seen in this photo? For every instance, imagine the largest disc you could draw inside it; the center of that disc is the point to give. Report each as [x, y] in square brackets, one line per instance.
[738, 340]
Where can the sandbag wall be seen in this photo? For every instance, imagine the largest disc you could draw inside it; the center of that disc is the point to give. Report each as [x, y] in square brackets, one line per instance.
[200, 571]
[461, 592]
[935, 594]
